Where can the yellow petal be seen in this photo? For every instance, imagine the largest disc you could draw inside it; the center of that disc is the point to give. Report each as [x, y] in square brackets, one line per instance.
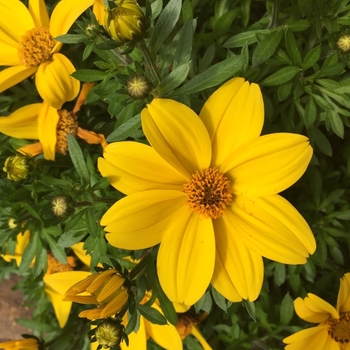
[304, 312]
[269, 164]
[239, 271]
[200, 338]
[233, 115]
[54, 81]
[166, 336]
[178, 135]
[65, 14]
[48, 119]
[271, 227]
[133, 167]
[37, 9]
[186, 257]
[15, 21]
[9, 55]
[318, 305]
[314, 338]
[99, 11]
[343, 302]
[14, 75]
[141, 219]
[22, 123]
[137, 341]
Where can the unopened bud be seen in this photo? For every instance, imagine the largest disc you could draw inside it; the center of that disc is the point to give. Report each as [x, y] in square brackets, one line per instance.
[18, 167]
[343, 43]
[12, 223]
[59, 205]
[125, 22]
[138, 87]
[109, 333]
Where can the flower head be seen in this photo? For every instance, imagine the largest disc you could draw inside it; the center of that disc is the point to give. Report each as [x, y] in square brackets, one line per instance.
[207, 191]
[105, 289]
[18, 167]
[28, 47]
[138, 87]
[333, 331]
[125, 21]
[109, 333]
[29, 343]
[22, 241]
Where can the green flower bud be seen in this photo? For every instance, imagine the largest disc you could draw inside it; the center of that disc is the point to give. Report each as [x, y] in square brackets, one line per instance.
[109, 333]
[18, 167]
[59, 205]
[138, 87]
[125, 21]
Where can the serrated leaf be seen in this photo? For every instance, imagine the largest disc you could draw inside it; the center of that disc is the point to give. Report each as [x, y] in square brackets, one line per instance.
[213, 76]
[151, 314]
[282, 76]
[266, 47]
[89, 75]
[126, 129]
[286, 309]
[78, 159]
[165, 24]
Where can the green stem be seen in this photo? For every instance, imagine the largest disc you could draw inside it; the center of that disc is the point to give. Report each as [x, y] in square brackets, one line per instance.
[141, 265]
[274, 14]
[151, 65]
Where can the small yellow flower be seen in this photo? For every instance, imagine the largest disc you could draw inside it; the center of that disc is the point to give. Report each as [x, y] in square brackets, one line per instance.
[105, 289]
[344, 42]
[138, 87]
[333, 330]
[23, 344]
[109, 333]
[21, 245]
[125, 21]
[18, 167]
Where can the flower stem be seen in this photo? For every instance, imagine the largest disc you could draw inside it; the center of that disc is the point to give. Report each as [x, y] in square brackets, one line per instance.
[151, 65]
[141, 265]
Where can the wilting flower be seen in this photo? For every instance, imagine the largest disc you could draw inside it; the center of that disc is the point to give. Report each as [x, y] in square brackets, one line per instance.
[49, 125]
[28, 47]
[333, 331]
[22, 344]
[206, 190]
[21, 245]
[125, 21]
[105, 289]
[18, 167]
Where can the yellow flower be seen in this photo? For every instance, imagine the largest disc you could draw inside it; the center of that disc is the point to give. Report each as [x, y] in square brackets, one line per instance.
[28, 47]
[23, 344]
[206, 190]
[49, 125]
[125, 22]
[99, 11]
[333, 331]
[105, 289]
[21, 245]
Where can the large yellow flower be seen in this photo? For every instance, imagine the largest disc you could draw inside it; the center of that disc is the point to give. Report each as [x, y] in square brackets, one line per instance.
[27, 47]
[333, 331]
[206, 190]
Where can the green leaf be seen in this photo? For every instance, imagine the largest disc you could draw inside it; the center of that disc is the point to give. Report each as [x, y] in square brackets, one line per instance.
[74, 220]
[220, 300]
[266, 47]
[56, 250]
[70, 38]
[71, 237]
[284, 90]
[250, 307]
[28, 254]
[282, 76]
[165, 24]
[241, 39]
[40, 259]
[165, 304]
[78, 159]
[133, 322]
[311, 57]
[89, 75]
[174, 79]
[320, 140]
[310, 112]
[298, 25]
[279, 274]
[126, 129]
[151, 314]
[91, 224]
[213, 76]
[336, 123]
[333, 69]
[286, 309]
[292, 48]
[184, 44]
[224, 23]
[245, 12]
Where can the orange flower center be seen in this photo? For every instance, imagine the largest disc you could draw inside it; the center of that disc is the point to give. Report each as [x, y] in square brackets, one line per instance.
[67, 124]
[35, 47]
[339, 329]
[54, 266]
[208, 193]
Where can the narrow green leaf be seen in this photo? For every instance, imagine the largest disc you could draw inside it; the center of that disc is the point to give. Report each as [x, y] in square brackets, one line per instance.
[151, 314]
[213, 76]
[28, 254]
[78, 159]
[333, 69]
[126, 129]
[279, 274]
[174, 79]
[298, 25]
[281, 76]
[337, 124]
[165, 304]
[70, 38]
[184, 44]
[56, 250]
[89, 75]
[310, 112]
[320, 140]
[286, 309]
[165, 24]
[224, 23]
[71, 237]
[91, 224]
[241, 39]
[266, 47]
[40, 259]
[220, 300]
[292, 48]
[250, 306]
[74, 220]
[133, 322]
[284, 90]
[311, 57]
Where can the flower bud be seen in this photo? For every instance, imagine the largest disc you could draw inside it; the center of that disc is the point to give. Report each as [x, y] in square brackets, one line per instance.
[59, 205]
[125, 21]
[343, 43]
[138, 87]
[109, 333]
[18, 167]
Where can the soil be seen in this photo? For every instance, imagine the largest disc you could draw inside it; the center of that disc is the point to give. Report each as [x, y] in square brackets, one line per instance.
[11, 308]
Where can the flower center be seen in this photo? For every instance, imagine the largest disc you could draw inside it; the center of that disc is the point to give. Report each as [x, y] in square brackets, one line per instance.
[208, 193]
[54, 266]
[35, 46]
[67, 124]
[339, 329]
